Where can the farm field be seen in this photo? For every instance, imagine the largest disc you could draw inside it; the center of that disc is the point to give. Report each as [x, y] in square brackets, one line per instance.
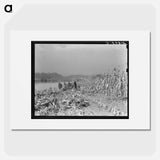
[103, 95]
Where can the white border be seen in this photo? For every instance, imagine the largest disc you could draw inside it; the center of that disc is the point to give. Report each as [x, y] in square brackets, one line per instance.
[139, 81]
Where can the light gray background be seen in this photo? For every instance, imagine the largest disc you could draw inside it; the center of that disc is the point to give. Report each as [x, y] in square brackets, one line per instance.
[80, 17]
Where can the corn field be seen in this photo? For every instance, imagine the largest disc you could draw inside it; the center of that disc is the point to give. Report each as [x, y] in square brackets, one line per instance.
[112, 85]
[91, 97]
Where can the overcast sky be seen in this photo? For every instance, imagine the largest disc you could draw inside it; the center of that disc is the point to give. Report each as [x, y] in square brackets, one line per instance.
[74, 59]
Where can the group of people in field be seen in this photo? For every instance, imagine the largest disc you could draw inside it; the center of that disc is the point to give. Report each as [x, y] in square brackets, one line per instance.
[67, 85]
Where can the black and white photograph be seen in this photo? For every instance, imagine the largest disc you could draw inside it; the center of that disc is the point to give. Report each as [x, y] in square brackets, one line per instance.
[80, 79]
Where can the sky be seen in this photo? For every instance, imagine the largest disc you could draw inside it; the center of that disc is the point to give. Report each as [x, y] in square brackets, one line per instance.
[75, 59]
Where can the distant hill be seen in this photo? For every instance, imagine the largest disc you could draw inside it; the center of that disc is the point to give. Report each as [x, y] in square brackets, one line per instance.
[75, 77]
[55, 77]
[45, 77]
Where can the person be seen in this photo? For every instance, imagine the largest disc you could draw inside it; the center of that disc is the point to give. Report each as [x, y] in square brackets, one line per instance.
[60, 86]
[75, 85]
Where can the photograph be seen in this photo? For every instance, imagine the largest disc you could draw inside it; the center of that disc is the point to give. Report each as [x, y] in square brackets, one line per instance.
[80, 79]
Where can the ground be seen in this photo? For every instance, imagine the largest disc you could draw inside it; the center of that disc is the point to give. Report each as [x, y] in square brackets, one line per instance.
[74, 103]
[101, 95]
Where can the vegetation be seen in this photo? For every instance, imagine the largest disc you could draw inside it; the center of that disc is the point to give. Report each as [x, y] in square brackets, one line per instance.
[97, 95]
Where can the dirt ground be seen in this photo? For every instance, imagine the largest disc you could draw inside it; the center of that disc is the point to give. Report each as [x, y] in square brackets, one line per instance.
[74, 103]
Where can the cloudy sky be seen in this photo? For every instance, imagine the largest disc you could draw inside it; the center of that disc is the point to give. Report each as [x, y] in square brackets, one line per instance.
[73, 59]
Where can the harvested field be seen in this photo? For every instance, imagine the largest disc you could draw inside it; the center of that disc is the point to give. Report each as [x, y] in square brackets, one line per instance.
[101, 95]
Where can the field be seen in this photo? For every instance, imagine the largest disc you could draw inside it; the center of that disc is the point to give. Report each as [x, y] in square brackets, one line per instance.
[99, 95]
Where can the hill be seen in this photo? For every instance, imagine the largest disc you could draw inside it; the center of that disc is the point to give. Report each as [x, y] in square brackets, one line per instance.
[55, 77]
